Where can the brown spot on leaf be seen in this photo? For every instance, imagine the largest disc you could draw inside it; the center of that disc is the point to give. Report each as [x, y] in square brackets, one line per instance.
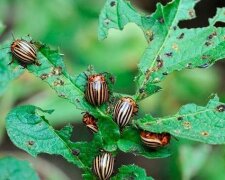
[204, 133]
[181, 36]
[112, 3]
[57, 71]
[165, 73]
[58, 82]
[180, 118]
[169, 54]
[150, 35]
[161, 20]
[187, 125]
[30, 143]
[106, 21]
[212, 35]
[207, 43]
[174, 28]
[175, 47]
[77, 100]
[62, 95]
[191, 13]
[44, 76]
[141, 90]
[75, 152]
[221, 108]
[159, 63]
[189, 65]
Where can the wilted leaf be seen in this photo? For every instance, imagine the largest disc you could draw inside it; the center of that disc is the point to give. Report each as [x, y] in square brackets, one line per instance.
[130, 142]
[131, 172]
[14, 169]
[197, 123]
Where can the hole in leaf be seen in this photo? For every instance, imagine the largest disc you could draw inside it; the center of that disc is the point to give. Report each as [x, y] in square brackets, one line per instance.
[219, 24]
[180, 118]
[221, 108]
[148, 6]
[112, 3]
[204, 10]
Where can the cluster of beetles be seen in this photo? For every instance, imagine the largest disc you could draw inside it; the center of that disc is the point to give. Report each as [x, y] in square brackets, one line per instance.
[97, 93]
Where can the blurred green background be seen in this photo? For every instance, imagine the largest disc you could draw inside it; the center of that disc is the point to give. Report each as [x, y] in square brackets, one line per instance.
[71, 26]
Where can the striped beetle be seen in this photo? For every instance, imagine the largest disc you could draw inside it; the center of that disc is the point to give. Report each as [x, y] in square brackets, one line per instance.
[24, 51]
[97, 91]
[90, 122]
[155, 140]
[103, 165]
[124, 109]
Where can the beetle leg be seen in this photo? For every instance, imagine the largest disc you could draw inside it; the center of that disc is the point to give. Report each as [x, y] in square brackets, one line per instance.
[11, 60]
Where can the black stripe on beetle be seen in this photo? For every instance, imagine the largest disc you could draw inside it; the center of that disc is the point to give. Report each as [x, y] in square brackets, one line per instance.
[24, 51]
[124, 109]
[103, 165]
[90, 122]
[155, 140]
[97, 91]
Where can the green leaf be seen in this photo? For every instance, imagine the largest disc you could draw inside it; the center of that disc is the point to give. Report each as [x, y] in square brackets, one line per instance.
[192, 159]
[170, 47]
[66, 132]
[29, 130]
[14, 169]
[148, 90]
[53, 71]
[109, 133]
[130, 142]
[131, 172]
[88, 177]
[197, 123]
[116, 14]
[7, 72]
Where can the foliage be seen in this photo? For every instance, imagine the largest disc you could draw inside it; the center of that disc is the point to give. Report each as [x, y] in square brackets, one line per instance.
[131, 172]
[13, 169]
[203, 124]
[170, 49]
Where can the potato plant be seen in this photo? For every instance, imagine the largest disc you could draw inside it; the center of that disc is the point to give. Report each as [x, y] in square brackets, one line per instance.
[170, 48]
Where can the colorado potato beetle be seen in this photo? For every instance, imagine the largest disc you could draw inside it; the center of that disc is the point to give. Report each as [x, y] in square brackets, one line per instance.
[124, 109]
[155, 140]
[97, 91]
[90, 122]
[103, 165]
[24, 51]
